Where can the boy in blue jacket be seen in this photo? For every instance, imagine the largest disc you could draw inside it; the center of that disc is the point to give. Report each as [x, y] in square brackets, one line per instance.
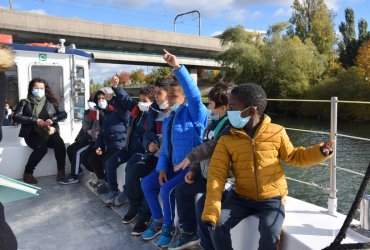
[182, 130]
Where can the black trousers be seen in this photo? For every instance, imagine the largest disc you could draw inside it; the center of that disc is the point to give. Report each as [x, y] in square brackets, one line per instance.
[137, 168]
[85, 158]
[74, 152]
[97, 161]
[40, 148]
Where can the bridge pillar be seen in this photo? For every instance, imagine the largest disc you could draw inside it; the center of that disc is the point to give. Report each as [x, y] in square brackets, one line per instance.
[194, 74]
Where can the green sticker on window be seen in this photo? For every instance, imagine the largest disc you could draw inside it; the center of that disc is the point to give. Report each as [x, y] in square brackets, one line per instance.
[42, 57]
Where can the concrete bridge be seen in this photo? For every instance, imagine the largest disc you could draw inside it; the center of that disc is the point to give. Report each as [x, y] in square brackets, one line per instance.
[112, 43]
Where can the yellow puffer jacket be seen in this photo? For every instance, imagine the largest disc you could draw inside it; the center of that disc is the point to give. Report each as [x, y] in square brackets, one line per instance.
[255, 163]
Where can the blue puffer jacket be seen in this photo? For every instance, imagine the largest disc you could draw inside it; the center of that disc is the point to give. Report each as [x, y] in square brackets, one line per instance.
[188, 126]
[115, 123]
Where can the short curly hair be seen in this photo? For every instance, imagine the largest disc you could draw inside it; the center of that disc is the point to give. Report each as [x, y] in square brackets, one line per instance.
[251, 94]
[219, 94]
[148, 91]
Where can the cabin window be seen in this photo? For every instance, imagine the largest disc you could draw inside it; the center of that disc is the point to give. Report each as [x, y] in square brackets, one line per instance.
[79, 94]
[54, 76]
[12, 96]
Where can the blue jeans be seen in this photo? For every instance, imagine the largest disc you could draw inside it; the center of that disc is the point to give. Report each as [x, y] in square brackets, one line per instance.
[111, 165]
[270, 213]
[205, 237]
[151, 186]
[185, 201]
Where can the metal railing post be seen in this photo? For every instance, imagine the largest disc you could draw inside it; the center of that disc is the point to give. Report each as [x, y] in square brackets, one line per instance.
[332, 201]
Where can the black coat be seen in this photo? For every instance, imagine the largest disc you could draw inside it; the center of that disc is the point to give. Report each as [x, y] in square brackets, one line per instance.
[23, 115]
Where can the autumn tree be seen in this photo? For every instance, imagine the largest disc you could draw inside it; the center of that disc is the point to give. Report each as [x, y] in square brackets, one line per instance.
[137, 76]
[124, 77]
[363, 59]
[311, 19]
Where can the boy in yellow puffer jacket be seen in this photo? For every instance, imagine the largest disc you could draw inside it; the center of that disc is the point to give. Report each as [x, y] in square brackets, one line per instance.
[254, 148]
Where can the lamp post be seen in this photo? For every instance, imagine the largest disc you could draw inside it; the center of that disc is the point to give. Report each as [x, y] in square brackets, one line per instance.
[190, 12]
[10, 5]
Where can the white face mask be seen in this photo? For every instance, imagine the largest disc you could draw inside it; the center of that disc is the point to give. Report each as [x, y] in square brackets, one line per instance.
[103, 104]
[164, 105]
[144, 106]
[174, 107]
[212, 117]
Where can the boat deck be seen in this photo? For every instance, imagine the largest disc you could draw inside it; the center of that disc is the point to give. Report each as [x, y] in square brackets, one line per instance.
[69, 217]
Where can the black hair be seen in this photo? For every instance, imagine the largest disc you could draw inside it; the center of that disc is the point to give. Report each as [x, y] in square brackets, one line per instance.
[219, 93]
[164, 83]
[98, 93]
[148, 91]
[48, 92]
[251, 94]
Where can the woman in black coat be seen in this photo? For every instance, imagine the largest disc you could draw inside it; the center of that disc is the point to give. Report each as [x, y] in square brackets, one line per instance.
[39, 115]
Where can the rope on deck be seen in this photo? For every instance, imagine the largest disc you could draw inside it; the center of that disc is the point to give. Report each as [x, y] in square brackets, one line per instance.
[336, 244]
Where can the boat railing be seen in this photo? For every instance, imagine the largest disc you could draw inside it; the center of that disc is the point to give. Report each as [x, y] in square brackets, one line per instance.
[332, 199]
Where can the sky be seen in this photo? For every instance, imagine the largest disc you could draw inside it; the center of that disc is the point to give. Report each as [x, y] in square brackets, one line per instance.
[216, 15]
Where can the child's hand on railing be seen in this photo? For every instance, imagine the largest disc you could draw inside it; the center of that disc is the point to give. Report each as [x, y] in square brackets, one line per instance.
[327, 148]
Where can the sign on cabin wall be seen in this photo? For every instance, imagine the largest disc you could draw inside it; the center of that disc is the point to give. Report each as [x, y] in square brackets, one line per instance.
[42, 57]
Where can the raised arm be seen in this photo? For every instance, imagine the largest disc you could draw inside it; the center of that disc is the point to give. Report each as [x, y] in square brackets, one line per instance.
[198, 112]
[123, 99]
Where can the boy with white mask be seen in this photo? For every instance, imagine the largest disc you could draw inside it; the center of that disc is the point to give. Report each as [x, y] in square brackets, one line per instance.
[182, 130]
[133, 144]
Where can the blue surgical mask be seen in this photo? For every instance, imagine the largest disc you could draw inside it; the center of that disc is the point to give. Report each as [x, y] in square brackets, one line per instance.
[212, 117]
[103, 104]
[174, 107]
[39, 93]
[236, 120]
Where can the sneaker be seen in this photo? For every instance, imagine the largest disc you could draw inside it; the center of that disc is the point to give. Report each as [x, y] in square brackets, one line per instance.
[167, 235]
[184, 241]
[69, 180]
[120, 199]
[154, 229]
[111, 195]
[140, 226]
[130, 216]
[102, 188]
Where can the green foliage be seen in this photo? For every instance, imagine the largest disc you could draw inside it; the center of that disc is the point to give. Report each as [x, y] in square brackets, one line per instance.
[311, 19]
[158, 72]
[349, 85]
[283, 65]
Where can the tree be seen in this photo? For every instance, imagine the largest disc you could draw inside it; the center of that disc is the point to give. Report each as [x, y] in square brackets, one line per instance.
[243, 59]
[312, 19]
[348, 47]
[158, 72]
[363, 59]
[124, 77]
[137, 76]
[363, 33]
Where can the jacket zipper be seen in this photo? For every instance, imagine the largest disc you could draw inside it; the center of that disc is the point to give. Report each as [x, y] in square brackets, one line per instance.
[255, 169]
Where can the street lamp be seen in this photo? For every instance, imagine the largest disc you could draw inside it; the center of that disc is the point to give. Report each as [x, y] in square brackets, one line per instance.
[194, 11]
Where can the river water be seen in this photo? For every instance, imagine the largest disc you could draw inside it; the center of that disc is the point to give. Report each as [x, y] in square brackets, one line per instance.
[351, 154]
